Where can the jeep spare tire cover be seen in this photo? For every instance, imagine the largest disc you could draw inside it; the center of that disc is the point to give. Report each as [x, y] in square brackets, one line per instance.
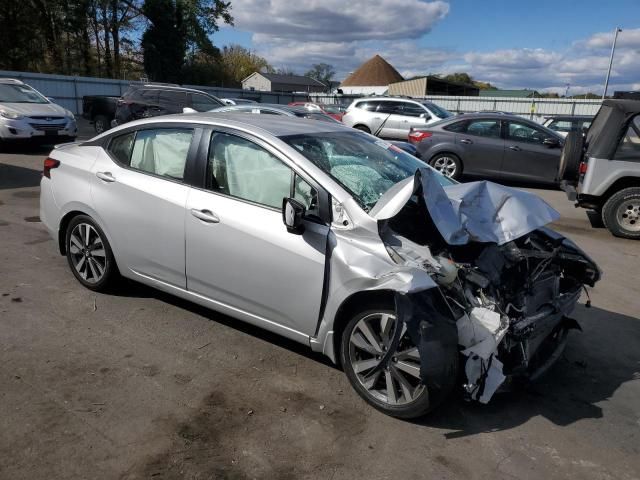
[571, 157]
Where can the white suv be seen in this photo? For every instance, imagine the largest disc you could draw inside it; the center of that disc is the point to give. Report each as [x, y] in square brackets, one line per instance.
[390, 117]
[27, 114]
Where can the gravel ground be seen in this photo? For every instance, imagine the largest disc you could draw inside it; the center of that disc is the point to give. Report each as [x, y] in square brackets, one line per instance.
[138, 384]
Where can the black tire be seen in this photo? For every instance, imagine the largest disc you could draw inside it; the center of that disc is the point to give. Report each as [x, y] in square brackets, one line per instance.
[570, 157]
[101, 123]
[96, 259]
[417, 407]
[621, 213]
[362, 128]
[455, 172]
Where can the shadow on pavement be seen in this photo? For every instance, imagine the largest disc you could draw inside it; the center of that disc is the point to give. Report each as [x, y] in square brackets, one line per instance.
[595, 364]
[12, 176]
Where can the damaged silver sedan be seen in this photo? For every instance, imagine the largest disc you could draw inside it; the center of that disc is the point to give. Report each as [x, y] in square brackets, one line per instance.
[330, 237]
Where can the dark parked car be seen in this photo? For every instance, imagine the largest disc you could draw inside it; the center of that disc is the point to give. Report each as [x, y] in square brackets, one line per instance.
[563, 124]
[490, 145]
[143, 101]
[100, 110]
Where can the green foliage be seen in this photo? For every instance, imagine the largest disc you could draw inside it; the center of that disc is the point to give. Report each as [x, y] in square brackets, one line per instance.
[323, 72]
[164, 43]
[466, 79]
[238, 63]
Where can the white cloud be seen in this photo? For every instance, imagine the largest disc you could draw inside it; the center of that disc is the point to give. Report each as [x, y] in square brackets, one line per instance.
[626, 39]
[337, 20]
[345, 34]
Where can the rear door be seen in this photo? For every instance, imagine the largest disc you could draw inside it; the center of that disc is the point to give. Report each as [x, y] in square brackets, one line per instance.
[389, 116]
[411, 115]
[526, 157]
[482, 146]
[139, 193]
[238, 250]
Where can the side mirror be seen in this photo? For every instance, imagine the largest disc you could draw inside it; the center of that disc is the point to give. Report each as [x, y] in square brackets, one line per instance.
[292, 214]
[551, 142]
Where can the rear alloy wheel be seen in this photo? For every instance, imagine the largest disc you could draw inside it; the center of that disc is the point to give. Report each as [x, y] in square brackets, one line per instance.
[447, 164]
[89, 254]
[101, 123]
[396, 389]
[621, 213]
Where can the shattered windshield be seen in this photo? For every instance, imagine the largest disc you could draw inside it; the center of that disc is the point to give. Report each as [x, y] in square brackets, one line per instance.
[364, 165]
[20, 94]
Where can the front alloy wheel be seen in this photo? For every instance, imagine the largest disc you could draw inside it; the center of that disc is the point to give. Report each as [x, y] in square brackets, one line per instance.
[395, 388]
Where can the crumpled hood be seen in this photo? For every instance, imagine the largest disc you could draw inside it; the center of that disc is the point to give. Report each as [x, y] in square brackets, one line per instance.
[29, 109]
[477, 211]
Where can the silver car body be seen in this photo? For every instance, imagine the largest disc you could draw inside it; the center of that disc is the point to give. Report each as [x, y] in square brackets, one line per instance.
[238, 257]
[393, 117]
[33, 116]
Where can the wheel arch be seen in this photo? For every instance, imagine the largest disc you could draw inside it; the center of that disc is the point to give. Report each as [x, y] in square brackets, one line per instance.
[70, 215]
[619, 184]
[354, 303]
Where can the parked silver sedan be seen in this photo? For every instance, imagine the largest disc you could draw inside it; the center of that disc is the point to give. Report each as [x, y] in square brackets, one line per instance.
[327, 236]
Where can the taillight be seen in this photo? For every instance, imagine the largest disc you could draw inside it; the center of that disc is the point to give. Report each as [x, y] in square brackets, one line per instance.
[417, 136]
[582, 169]
[49, 163]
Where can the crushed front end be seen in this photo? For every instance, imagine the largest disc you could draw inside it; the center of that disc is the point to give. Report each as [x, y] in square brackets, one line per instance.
[511, 289]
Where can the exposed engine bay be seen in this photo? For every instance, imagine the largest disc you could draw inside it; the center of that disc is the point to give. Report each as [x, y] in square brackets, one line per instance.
[511, 301]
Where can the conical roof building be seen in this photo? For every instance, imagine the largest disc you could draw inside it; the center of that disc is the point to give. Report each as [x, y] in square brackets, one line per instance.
[372, 77]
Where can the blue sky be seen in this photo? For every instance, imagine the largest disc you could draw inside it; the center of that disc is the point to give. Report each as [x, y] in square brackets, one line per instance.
[542, 44]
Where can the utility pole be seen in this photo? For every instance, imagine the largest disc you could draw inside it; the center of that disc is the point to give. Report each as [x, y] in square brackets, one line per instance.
[613, 49]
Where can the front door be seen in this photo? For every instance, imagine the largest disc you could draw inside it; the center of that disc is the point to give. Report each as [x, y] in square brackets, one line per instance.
[239, 252]
[526, 157]
[137, 187]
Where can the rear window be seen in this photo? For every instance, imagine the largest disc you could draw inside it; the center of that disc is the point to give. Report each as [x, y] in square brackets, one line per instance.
[369, 106]
[457, 127]
[629, 147]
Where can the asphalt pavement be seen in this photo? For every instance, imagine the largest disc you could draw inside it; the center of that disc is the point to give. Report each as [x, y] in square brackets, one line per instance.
[138, 384]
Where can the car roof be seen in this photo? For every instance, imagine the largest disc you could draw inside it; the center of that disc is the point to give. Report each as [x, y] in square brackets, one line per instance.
[278, 126]
[569, 117]
[487, 115]
[151, 86]
[11, 81]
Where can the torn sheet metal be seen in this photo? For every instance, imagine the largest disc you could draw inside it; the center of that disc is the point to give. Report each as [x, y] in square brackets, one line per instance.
[477, 211]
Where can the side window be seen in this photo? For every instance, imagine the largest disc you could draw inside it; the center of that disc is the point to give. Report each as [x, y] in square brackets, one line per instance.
[413, 110]
[239, 168]
[457, 127]
[120, 147]
[172, 97]
[629, 147]
[561, 126]
[390, 107]
[203, 103]
[484, 128]
[367, 106]
[150, 96]
[522, 132]
[306, 194]
[162, 152]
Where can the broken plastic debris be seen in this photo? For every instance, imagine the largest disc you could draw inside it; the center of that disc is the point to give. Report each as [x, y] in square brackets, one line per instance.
[484, 377]
[481, 332]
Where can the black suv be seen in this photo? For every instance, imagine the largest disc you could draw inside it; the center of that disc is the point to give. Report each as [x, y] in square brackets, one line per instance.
[143, 101]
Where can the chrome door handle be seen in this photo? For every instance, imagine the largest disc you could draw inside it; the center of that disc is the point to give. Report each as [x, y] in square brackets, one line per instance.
[205, 215]
[515, 148]
[106, 176]
[466, 141]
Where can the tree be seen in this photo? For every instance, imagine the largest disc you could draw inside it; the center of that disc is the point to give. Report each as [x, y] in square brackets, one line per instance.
[322, 72]
[238, 63]
[164, 43]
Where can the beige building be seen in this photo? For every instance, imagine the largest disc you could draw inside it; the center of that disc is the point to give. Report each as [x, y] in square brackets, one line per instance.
[274, 82]
[430, 85]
